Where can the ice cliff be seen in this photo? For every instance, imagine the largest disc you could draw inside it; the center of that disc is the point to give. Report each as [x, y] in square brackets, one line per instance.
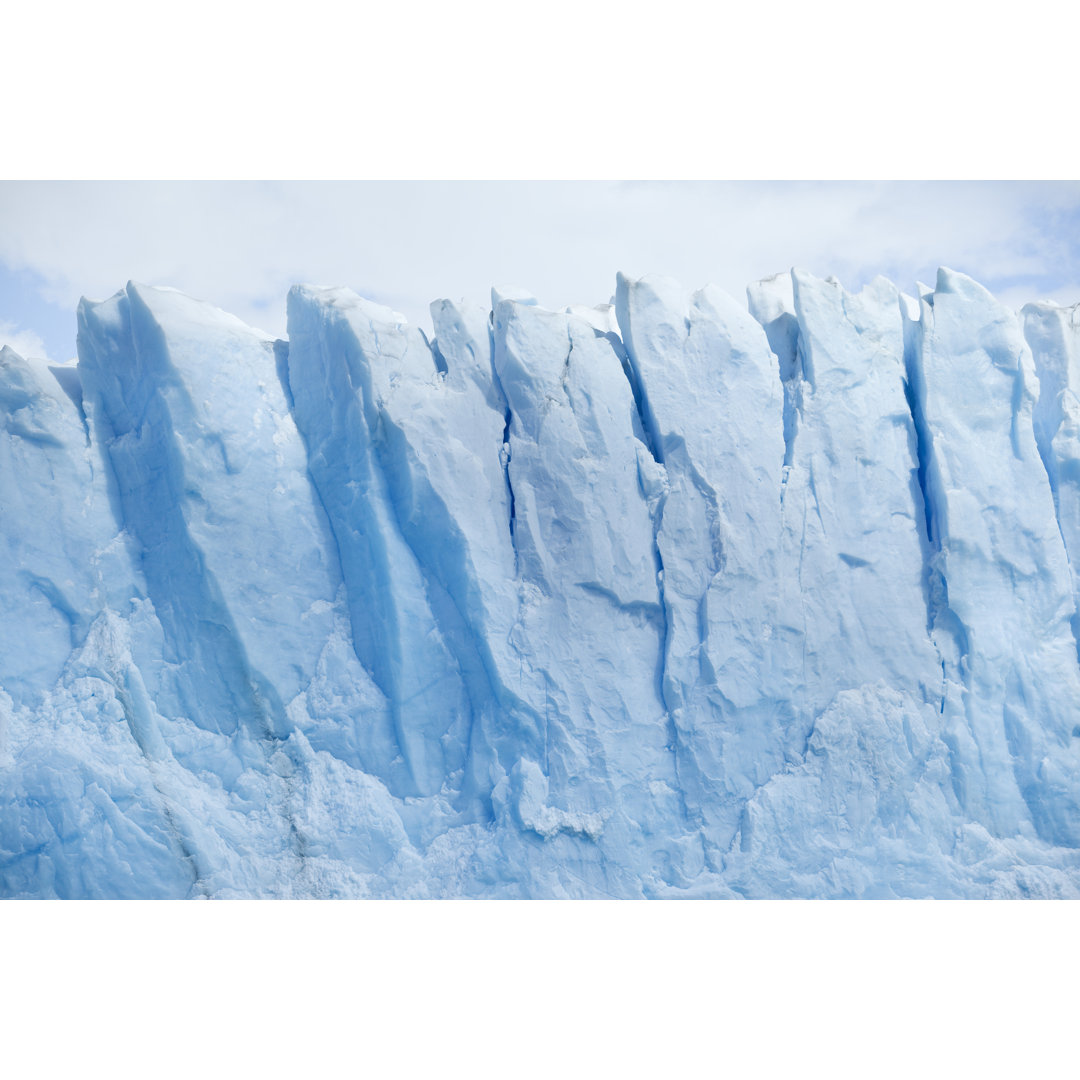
[674, 596]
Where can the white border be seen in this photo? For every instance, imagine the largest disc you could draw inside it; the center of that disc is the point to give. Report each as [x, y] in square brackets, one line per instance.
[943, 89]
[838, 989]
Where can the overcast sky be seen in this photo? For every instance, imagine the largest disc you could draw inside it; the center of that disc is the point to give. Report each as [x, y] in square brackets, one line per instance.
[241, 245]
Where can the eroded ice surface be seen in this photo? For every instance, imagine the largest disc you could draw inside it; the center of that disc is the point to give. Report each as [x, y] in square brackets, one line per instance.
[666, 597]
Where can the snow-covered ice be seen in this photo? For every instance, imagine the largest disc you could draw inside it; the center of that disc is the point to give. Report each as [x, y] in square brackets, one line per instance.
[672, 596]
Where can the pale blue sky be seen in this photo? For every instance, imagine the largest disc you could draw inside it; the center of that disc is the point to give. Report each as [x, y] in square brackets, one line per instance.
[241, 245]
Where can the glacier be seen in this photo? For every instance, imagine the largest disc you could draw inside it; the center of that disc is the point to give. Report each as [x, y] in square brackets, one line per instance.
[674, 596]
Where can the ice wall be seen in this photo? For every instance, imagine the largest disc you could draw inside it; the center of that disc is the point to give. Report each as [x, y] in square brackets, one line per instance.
[667, 597]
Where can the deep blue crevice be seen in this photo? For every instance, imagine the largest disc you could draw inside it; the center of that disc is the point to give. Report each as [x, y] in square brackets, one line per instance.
[504, 451]
[940, 618]
[281, 365]
[922, 453]
[436, 353]
[506, 473]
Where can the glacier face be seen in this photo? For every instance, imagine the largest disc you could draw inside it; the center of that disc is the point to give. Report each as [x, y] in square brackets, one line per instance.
[667, 597]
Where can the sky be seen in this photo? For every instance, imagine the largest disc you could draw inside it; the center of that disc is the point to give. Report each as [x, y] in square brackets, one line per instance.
[241, 245]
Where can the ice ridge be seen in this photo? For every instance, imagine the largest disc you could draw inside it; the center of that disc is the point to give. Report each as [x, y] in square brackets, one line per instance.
[671, 596]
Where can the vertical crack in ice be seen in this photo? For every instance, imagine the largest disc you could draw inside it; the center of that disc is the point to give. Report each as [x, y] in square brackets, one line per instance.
[785, 339]
[943, 624]
[793, 380]
[1016, 405]
[504, 458]
[782, 334]
[665, 635]
[934, 585]
[796, 375]
[505, 452]
[653, 440]
[653, 444]
[280, 349]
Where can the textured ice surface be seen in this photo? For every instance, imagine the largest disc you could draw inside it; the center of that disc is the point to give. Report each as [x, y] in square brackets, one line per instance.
[665, 597]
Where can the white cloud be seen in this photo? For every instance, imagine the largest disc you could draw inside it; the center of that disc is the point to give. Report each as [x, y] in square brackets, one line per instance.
[242, 245]
[1017, 296]
[25, 342]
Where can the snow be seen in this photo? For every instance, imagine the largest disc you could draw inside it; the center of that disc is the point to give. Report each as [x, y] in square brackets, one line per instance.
[661, 597]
